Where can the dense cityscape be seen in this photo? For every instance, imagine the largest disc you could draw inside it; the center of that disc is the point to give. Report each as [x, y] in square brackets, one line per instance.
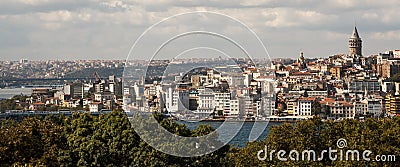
[81, 113]
[338, 87]
[180, 83]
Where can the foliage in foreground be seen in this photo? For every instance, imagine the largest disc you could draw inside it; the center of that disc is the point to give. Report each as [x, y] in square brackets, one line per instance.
[381, 137]
[109, 140]
[85, 140]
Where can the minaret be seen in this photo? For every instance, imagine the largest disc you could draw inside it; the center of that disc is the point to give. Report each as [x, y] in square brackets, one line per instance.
[355, 44]
[301, 61]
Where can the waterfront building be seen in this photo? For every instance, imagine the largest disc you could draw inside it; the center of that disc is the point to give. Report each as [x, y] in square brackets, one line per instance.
[339, 109]
[95, 106]
[234, 108]
[222, 102]
[292, 107]
[305, 105]
[206, 103]
[176, 100]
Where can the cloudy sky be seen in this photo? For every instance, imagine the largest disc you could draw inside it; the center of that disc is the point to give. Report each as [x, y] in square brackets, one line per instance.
[106, 29]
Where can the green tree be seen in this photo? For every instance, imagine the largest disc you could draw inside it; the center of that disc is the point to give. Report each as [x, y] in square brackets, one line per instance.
[104, 140]
[379, 136]
[148, 156]
[34, 140]
[7, 104]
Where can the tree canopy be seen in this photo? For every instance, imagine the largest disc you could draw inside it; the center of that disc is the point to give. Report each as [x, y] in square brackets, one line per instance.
[110, 140]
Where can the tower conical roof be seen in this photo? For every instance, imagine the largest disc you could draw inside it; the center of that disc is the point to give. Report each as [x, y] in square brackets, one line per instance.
[355, 33]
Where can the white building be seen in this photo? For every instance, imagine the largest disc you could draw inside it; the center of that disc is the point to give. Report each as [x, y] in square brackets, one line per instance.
[341, 109]
[104, 96]
[222, 102]
[320, 94]
[246, 106]
[138, 99]
[68, 90]
[235, 80]
[206, 103]
[374, 106]
[176, 100]
[257, 108]
[360, 108]
[305, 105]
[247, 79]
[234, 108]
[95, 107]
[127, 103]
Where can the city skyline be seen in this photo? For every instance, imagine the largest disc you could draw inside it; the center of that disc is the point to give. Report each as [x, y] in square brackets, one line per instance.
[71, 30]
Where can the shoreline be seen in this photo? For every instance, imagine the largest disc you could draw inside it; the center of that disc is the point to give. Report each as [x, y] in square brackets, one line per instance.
[227, 120]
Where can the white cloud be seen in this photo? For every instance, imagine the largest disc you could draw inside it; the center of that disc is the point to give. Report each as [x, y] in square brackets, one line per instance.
[34, 2]
[370, 16]
[87, 28]
[56, 16]
[388, 35]
[288, 17]
[336, 35]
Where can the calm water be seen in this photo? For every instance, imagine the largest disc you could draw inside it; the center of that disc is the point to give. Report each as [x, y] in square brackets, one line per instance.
[242, 137]
[9, 93]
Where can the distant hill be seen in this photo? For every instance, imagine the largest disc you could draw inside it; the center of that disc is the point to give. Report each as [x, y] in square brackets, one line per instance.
[103, 72]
